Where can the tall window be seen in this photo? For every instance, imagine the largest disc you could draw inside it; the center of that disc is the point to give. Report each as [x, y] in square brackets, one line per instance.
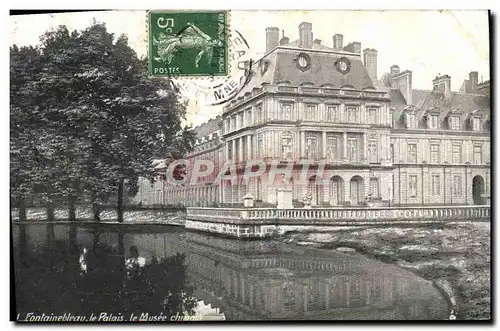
[476, 124]
[311, 113]
[435, 153]
[457, 185]
[312, 148]
[252, 147]
[241, 124]
[352, 114]
[374, 187]
[260, 114]
[478, 154]
[229, 150]
[372, 151]
[237, 147]
[286, 148]
[457, 153]
[393, 122]
[435, 184]
[286, 112]
[412, 153]
[433, 122]
[411, 121]
[249, 117]
[228, 124]
[332, 148]
[373, 115]
[352, 149]
[455, 123]
[244, 149]
[233, 123]
[412, 186]
[260, 144]
[332, 113]
[392, 153]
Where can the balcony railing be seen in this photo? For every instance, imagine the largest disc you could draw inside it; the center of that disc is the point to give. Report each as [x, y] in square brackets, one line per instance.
[335, 215]
[306, 90]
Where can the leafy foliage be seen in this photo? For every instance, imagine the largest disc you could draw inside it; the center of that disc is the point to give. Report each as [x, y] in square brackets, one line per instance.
[86, 118]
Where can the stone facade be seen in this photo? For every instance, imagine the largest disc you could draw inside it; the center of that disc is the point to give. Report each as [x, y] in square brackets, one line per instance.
[376, 141]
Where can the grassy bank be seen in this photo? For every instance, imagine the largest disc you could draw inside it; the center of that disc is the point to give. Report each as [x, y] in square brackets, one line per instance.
[456, 254]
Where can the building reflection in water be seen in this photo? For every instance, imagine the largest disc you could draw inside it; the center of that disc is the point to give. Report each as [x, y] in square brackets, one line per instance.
[263, 280]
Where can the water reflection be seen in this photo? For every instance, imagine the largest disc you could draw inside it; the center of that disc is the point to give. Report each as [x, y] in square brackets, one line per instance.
[265, 281]
[94, 276]
[86, 270]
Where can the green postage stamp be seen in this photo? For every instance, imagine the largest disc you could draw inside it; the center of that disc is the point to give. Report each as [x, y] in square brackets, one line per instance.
[188, 43]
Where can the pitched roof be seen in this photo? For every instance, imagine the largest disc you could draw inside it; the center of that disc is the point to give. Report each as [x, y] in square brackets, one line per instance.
[424, 100]
[280, 66]
[466, 86]
[418, 97]
[466, 102]
[208, 127]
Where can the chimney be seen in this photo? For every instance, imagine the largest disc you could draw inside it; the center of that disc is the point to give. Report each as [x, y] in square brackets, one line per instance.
[317, 41]
[484, 88]
[272, 38]
[338, 42]
[403, 82]
[284, 41]
[305, 34]
[394, 69]
[370, 60]
[354, 47]
[442, 84]
[473, 79]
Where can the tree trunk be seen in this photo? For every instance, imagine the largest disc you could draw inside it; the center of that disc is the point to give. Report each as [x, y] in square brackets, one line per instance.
[50, 212]
[72, 207]
[119, 205]
[95, 207]
[22, 211]
[97, 211]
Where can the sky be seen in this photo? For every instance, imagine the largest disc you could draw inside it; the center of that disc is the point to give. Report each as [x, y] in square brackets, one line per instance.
[426, 42]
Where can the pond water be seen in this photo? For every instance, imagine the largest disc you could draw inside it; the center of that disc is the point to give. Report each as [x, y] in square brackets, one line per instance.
[116, 272]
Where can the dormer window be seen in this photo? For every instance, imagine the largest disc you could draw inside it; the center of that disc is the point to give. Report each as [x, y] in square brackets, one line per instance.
[411, 121]
[455, 122]
[433, 121]
[476, 124]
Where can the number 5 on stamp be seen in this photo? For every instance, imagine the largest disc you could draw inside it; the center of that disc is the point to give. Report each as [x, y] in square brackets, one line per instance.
[188, 43]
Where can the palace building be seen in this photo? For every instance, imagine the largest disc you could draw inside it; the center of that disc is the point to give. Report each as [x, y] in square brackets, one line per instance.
[376, 140]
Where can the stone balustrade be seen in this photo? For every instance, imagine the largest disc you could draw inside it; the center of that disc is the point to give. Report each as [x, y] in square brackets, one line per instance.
[306, 90]
[334, 215]
[263, 222]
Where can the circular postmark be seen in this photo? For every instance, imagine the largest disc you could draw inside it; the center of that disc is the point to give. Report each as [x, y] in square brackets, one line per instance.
[213, 90]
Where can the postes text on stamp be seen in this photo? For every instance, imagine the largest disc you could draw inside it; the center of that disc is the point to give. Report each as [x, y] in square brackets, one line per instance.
[188, 43]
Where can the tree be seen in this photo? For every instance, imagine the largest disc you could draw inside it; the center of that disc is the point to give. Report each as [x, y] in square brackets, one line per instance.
[102, 119]
[24, 121]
